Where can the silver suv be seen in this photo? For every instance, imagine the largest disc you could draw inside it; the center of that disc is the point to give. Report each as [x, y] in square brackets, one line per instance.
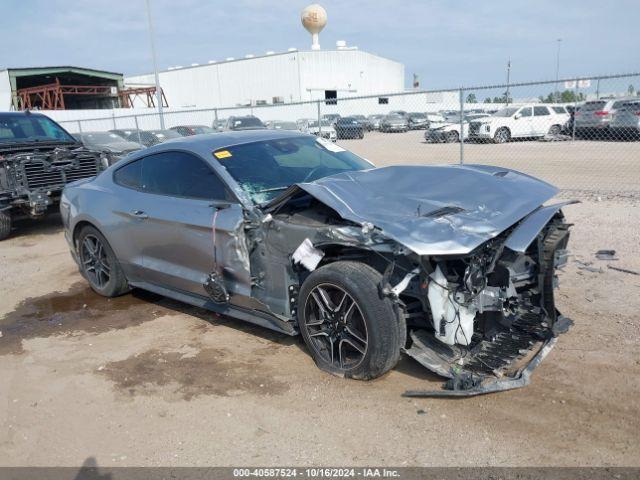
[595, 116]
[626, 121]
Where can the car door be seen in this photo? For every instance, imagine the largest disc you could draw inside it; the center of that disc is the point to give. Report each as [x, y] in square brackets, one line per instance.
[522, 123]
[192, 226]
[542, 120]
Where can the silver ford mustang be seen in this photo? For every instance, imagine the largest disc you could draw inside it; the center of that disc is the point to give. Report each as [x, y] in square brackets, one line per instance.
[453, 265]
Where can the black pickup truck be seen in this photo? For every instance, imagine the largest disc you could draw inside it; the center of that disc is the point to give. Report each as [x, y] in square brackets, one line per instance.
[37, 159]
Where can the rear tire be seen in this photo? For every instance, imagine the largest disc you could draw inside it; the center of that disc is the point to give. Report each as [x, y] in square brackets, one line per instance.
[350, 330]
[99, 264]
[503, 135]
[555, 130]
[5, 224]
[451, 137]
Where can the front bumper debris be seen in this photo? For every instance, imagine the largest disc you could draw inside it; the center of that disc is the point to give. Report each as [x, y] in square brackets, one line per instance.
[494, 367]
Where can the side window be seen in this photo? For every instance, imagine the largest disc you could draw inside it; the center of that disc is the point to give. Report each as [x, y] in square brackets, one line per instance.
[181, 174]
[540, 111]
[525, 112]
[559, 109]
[130, 175]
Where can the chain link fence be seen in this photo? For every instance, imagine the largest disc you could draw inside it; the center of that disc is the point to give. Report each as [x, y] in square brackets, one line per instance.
[581, 134]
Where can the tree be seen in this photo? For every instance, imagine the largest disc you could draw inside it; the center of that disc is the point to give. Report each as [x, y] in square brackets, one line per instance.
[631, 90]
[471, 98]
[567, 96]
[487, 100]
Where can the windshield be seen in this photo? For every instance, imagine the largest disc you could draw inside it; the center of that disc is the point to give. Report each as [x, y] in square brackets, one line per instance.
[165, 134]
[325, 123]
[202, 129]
[100, 137]
[285, 126]
[506, 112]
[31, 128]
[246, 122]
[264, 169]
[591, 106]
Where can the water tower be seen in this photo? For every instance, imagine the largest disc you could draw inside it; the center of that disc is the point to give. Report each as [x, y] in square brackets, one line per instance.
[314, 18]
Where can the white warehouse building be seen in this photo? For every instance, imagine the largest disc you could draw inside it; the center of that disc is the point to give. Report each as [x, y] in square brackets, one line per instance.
[276, 78]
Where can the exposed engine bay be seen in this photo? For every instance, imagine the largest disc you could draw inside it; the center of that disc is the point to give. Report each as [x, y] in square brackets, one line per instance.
[482, 319]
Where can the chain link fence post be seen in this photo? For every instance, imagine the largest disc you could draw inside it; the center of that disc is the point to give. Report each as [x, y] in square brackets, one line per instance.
[575, 109]
[215, 119]
[135, 119]
[461, 136]
[79, 126]
[319, 122]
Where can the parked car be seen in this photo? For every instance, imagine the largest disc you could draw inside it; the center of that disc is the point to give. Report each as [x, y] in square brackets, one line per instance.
[308, 238]
[626, 121]
[375, 121]
[114, 145]
[417, 121]
[247, 122]
[303, 123]
[331, 117]
[364, 121]
[327, 131]
[187, 130]
[394, 123]
[125, 133]
[567, 128]
[529, 121]
[402, 113]
[436, 120]
[148, 138]
[595, 116]
[348, 127]
[450, 133]
[219, 125]
[37, 158]
[281, 125]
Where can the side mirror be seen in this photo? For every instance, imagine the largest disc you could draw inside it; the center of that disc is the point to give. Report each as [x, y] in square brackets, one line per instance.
[517, 116]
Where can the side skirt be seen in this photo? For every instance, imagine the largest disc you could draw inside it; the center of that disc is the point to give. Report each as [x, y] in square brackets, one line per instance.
[252, 316]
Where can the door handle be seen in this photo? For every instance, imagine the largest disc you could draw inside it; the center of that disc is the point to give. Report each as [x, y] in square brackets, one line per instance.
[139, 214]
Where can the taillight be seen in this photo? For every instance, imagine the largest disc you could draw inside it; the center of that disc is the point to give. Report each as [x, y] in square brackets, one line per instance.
[577, 114]
[601, 113]
[638, 113]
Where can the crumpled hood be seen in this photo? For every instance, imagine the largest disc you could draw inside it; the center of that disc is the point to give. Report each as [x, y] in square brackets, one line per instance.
[433, 210]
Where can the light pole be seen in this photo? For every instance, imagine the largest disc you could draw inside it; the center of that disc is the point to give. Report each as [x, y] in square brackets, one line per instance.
[559, 42]
[508, 79]
[155, 66]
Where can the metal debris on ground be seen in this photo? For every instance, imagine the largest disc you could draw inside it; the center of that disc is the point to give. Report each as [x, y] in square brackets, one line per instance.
[623, 270]
[606, 255]
[588, 266]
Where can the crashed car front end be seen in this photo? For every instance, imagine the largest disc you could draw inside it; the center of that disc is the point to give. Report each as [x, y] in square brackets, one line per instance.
[468, 254]
[33, 176]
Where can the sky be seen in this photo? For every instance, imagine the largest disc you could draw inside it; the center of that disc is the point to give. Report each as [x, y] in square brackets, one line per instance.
[446, 43]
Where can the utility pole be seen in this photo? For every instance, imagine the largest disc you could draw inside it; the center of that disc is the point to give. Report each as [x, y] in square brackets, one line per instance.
[559, 42]
[155, 66]
[508, 79]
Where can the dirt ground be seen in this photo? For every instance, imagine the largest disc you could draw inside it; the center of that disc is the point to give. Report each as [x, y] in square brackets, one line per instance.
[141, 380]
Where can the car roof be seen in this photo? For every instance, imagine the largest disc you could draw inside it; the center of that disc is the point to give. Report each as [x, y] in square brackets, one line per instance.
[22, 114]
[215, 141]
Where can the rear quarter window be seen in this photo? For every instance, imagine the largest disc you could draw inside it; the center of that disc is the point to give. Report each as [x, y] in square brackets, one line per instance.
[130, 175]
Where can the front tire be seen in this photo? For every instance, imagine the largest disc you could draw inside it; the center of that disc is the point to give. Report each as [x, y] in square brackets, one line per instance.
[555, 130]
[99, 265]
[5, 224]
[503, 135]
[452, 137]
[350, 330]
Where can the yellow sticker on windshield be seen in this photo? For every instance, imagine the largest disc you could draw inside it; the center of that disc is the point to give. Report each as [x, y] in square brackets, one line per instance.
[222, 154]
